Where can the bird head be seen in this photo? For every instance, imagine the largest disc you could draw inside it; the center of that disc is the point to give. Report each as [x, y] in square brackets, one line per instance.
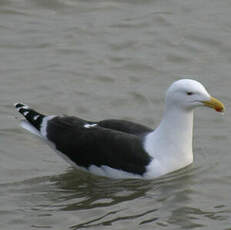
[188, 94]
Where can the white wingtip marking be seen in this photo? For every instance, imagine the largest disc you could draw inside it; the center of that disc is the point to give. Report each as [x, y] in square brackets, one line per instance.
[25, 113]
[89, 125]
[36, 117]
[25, 107]
[21, 107]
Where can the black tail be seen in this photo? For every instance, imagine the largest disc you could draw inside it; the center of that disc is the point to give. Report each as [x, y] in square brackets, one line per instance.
[33, 117]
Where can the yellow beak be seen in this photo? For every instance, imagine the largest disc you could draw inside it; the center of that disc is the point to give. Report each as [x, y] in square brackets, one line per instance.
[215, 104]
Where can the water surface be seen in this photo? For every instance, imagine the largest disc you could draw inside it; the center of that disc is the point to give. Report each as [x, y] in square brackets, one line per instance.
[112, 59]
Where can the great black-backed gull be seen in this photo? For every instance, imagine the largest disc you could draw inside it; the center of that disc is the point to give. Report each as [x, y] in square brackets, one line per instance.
[124, 149]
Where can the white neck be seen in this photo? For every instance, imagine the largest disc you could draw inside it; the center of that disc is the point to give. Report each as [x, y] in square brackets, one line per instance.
[170, 144]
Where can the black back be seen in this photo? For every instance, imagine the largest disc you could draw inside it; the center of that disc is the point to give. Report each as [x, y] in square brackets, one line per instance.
[125, 126]
[114, 143]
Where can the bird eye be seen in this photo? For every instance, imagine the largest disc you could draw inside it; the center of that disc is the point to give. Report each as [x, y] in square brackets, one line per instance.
[189, 93]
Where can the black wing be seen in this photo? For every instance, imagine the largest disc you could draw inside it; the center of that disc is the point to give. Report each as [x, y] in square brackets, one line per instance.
[114, 143]
[125, 126]
[100, 144]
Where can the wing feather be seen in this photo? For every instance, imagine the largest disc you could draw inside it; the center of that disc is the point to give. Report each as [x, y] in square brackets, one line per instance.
[97, 145]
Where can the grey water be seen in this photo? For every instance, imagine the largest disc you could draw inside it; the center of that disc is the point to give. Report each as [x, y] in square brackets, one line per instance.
[100, 59]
